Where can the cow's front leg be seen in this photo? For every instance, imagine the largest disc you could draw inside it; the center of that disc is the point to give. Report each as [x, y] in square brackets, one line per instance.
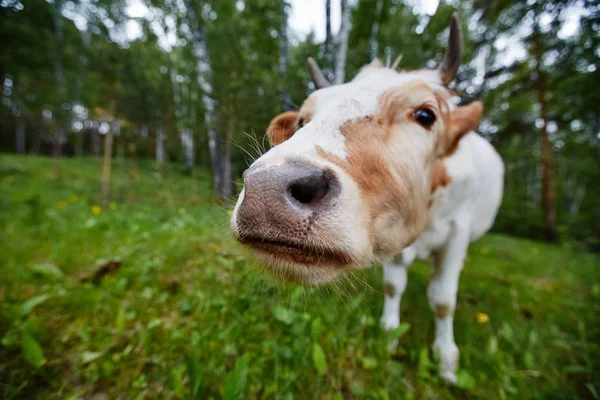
[395, 273]
[442, 291]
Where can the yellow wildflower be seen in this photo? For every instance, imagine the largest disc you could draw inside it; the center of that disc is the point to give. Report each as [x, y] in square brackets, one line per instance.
[485, 250]
[62, 204]
[535, 251]
[73, 198]
[181, 210]
[96, 210]
[112, 205]
[229, 212]
[482, 318]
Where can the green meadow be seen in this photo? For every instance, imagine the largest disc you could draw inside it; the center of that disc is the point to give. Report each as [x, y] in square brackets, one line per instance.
[150, 297]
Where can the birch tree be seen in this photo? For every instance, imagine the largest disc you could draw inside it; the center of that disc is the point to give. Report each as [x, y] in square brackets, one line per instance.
[106, 166]
[283, 58]
[546, 147]
[219, 160]
[327, 70]
[373, 45]
[159, 153]
[59, 77]
[342, 44]
[20, 135]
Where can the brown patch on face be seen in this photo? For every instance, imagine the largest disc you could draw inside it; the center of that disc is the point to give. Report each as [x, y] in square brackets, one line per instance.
[389, 289]
[282, 127]
[398, 103]
[387, 197]
[392, 103]
[442, 310]
[439, 175]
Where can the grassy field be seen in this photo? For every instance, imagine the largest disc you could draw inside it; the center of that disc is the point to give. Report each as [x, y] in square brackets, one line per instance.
[187, 314]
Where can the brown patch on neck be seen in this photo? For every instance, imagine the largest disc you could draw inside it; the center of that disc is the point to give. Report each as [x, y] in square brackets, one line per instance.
[439, 175]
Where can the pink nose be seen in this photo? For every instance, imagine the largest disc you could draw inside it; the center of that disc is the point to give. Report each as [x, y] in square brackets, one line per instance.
[280, 202]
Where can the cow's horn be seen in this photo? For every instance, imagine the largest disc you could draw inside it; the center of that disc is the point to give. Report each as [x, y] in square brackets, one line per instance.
[453, 55]
[317, 75]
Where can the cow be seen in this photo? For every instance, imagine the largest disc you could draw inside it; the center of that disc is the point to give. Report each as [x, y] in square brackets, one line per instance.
[383, 169]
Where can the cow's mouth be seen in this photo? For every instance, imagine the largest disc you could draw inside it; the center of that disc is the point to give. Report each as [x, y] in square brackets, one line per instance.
[297, 253]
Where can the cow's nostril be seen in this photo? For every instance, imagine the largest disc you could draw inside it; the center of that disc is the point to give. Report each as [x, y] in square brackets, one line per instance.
[309, 191]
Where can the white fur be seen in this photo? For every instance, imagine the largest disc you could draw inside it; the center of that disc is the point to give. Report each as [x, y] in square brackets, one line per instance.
[339, 104]
[461, 212]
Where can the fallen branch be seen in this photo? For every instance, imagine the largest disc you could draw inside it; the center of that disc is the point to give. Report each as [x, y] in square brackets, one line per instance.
[101, 270]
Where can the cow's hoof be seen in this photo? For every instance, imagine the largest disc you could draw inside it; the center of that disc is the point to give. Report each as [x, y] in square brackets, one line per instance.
[448, 377]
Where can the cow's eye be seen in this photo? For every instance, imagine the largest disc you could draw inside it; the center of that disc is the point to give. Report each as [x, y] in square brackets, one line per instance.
[300, 123]
[424, 116]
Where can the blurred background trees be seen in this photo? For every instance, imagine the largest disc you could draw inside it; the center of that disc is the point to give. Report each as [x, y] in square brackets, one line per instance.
[199, 80]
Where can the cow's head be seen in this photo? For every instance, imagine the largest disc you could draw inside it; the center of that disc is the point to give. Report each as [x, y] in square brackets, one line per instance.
[349, 177]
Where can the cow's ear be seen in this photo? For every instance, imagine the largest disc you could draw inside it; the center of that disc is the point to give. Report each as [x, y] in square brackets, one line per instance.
[282, 127]
[463, 119]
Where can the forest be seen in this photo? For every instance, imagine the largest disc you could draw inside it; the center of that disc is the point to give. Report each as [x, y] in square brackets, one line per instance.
[199, 82]
[126, 125]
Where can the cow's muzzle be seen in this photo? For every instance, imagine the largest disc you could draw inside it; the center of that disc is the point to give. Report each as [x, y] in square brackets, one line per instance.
[280, 209]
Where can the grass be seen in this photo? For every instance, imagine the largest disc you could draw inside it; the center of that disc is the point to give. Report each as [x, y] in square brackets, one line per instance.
[187, 315]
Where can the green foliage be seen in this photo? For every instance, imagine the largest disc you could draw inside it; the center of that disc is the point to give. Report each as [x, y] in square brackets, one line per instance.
[189, 316]
[235, 382]
[511, 98]
[318, 357]
[32, 351]
[151, 87]
[400, 331]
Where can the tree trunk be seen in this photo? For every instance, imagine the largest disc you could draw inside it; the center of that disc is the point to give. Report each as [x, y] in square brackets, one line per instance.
[327, 70]
[283, 58]
[228, 185]
[113, 130]
[36, 141]
[61, 131]
[108, 146]
[546, 149]
[181, 97]
[204, 74]
[187, 142]
[160, 145]
[373, 46]
[342, 47]
[227, 189]
[87, 34]
[578, 198]
[95, 141]
[20, 135]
